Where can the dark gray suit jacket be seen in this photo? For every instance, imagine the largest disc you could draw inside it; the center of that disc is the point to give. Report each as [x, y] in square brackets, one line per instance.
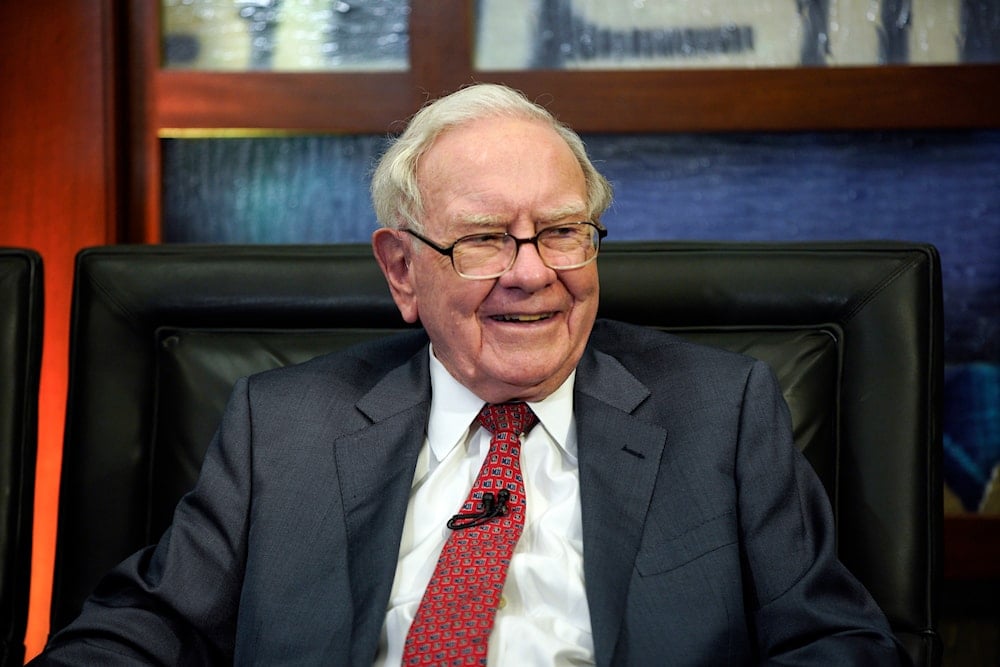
[707, 537]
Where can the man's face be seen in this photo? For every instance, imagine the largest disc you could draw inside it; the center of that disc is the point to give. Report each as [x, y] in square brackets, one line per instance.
[518, 336]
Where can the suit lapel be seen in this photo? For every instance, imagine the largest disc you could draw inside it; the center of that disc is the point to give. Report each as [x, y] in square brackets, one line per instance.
[375, 468]
[619, 460]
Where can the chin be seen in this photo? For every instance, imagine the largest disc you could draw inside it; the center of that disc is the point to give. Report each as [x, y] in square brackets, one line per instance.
[536, 378]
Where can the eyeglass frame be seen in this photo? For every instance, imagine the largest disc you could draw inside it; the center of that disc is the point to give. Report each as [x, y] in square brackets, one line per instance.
[449, 251]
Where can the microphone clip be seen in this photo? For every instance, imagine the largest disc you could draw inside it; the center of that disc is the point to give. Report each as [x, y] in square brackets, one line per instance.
[493, 506]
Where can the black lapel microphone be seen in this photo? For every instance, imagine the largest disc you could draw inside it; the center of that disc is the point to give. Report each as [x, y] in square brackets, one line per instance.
[493, 506]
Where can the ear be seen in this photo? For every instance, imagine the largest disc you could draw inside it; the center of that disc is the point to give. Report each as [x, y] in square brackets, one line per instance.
[392, 252]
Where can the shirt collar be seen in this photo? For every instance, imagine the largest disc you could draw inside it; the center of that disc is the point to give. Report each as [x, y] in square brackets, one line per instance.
[454, 409]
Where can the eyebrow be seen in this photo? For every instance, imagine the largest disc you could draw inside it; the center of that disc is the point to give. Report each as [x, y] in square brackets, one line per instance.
[567, 211]
[481, 219]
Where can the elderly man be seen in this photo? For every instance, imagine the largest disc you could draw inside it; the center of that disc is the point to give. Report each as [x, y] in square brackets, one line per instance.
[514, 485]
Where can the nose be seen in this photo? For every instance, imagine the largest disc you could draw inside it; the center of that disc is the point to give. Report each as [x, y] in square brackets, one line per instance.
[528, 272]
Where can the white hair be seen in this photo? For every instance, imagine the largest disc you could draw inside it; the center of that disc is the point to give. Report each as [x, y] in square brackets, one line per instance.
[394, 189]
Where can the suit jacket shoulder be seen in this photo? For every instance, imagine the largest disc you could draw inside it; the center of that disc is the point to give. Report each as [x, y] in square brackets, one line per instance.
[705, 531]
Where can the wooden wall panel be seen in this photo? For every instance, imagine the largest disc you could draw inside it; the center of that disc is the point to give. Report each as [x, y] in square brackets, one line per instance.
[57, 195]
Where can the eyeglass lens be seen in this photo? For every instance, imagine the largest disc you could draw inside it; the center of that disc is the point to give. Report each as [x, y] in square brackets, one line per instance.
[562, 247]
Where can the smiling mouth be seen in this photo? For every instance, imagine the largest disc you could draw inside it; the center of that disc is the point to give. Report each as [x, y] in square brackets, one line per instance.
[521, 318]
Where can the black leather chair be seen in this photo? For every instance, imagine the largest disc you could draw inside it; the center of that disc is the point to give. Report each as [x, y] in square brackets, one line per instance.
[21, 315]
[159, 334]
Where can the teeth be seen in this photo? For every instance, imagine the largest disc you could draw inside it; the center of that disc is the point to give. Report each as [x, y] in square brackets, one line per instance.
[521, 318]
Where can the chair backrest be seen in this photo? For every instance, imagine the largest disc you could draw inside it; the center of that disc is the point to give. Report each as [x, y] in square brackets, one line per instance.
[853, 331]
[20, 360]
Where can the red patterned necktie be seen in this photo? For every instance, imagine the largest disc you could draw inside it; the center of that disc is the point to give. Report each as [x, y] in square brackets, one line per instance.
[455, 616]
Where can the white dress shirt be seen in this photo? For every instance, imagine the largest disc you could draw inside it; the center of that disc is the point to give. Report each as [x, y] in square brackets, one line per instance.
[544, 618]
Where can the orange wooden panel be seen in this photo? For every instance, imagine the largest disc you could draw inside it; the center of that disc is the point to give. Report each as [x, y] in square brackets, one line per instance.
[57, 194]
[346, 102]
[907, 97]
[603, 101]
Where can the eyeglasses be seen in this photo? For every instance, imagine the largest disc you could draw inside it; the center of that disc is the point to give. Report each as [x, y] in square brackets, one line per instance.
[485, 256]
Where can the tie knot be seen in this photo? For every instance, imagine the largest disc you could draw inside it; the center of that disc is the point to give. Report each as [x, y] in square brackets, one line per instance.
[507, 418]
